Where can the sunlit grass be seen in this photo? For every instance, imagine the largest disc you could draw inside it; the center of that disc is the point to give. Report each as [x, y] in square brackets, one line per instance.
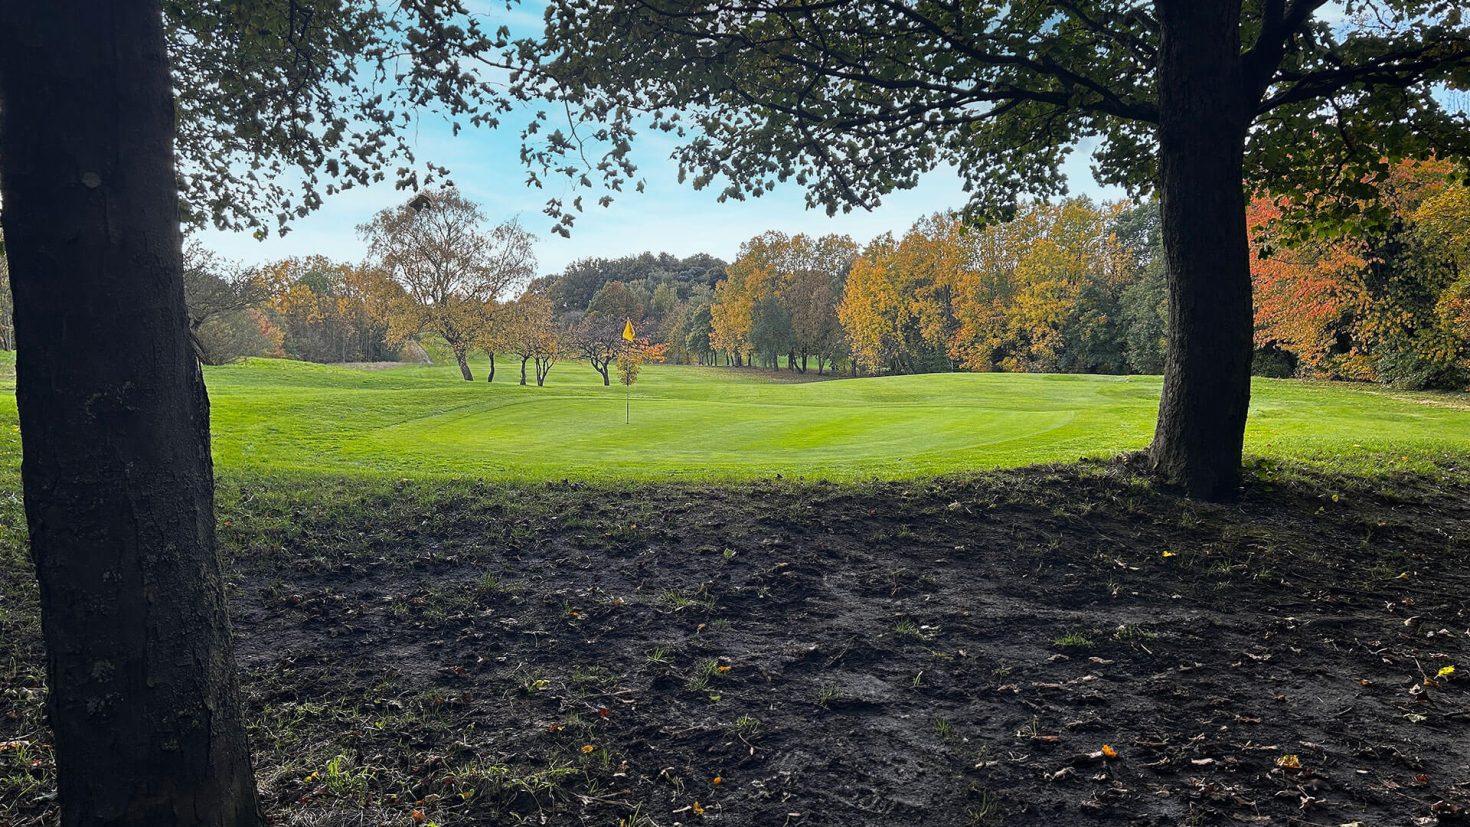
[712, 423]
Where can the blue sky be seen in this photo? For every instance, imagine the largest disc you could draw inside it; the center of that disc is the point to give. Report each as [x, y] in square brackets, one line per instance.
[667, 217]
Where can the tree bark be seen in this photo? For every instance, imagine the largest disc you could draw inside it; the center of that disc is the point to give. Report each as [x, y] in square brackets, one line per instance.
[1204, 113]
[524, 360]
[117, 476]
[463, 361]
[491, 376]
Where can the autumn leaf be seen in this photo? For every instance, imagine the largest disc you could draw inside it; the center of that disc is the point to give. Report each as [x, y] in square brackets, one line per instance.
[588, 748]
[698, 809]
[1108, 751]
[1289, 762]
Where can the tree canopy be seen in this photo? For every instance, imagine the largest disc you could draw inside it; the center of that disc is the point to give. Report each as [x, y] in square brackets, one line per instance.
[853, 99]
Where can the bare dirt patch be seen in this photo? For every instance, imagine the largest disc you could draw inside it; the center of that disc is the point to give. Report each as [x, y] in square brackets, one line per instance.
[1047, 646]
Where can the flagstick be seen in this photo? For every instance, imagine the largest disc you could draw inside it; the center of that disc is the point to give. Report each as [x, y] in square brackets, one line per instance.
[628, 335]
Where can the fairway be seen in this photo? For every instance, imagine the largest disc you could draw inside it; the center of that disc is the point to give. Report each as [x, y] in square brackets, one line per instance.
[695, 422]
[725, 423]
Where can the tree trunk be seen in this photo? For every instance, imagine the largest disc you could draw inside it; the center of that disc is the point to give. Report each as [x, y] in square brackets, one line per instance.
[524, 360]
[464, 363]
[118, 482]
[491, 376]
[1203, 117]
[603, 369]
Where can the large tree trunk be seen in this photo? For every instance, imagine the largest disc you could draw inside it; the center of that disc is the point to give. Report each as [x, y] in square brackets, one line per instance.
[524, 360]
[119, 489]
[1203, 117]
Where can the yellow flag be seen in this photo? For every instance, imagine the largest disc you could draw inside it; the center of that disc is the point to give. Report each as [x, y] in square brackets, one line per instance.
[628, 330]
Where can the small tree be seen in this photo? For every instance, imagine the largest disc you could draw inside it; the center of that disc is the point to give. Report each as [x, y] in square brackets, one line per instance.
[529, 331]
[630, 364]
[548, 348]
[437, 246]
[494, 336]
[599, 340]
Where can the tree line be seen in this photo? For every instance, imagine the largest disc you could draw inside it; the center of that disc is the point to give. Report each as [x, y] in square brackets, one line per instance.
[1068, 287]
[1388, 303]
[1080, 287]
[1071, 287]
[438, 269]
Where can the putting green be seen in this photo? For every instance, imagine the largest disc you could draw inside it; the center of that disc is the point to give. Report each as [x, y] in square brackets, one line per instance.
[710, 422]
[272, 415]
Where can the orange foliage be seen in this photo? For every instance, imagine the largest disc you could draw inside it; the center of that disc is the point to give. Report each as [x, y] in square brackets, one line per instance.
[1305, 296]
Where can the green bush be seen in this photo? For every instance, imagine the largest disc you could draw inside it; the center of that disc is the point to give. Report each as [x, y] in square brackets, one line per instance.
[1274, 363]
[1412, 363]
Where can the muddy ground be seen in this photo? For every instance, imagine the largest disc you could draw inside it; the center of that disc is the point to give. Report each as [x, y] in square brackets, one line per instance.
[1050, 646]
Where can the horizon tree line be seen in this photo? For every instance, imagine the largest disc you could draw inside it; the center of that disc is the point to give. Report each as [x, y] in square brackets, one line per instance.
[1069, 287]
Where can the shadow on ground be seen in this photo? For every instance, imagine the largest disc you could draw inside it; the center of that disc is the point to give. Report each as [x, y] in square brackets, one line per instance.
[1060, 645]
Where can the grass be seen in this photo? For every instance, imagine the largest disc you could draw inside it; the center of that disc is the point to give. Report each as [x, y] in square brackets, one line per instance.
[706, 423]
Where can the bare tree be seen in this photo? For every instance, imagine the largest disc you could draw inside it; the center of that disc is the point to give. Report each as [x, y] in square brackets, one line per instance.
[452, 266]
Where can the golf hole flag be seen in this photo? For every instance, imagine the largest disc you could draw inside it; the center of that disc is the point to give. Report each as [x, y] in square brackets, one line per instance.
[628, 330]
